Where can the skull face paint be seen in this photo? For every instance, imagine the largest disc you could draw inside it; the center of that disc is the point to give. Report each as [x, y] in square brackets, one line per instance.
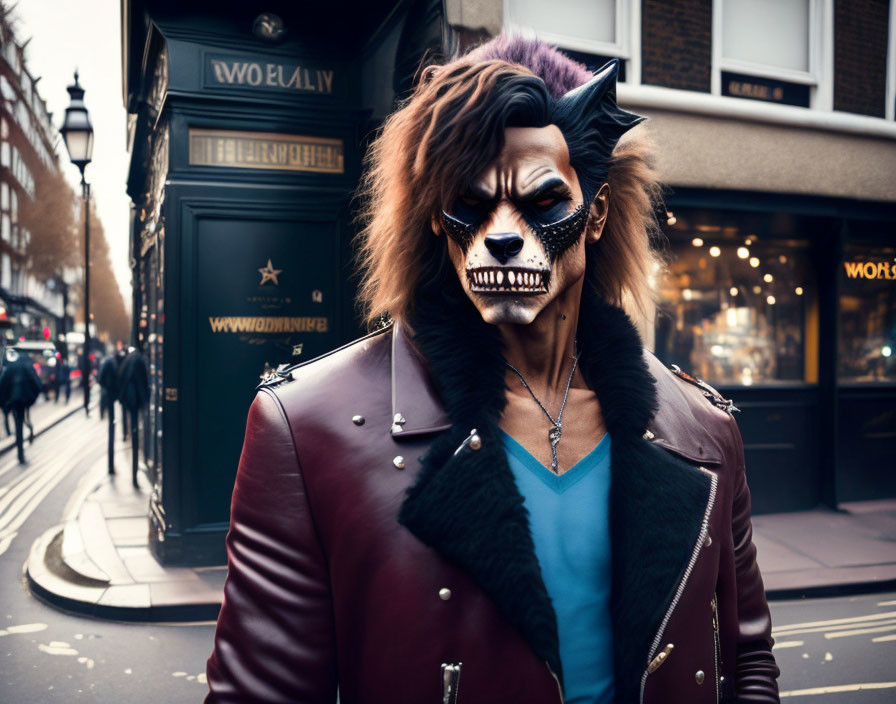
[516, 236]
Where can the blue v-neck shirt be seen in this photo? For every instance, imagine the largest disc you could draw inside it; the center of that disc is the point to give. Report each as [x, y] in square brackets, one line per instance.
[569, 517]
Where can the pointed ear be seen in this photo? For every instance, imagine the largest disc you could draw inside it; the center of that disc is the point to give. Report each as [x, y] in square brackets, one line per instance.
[592, 124]
[595, 103]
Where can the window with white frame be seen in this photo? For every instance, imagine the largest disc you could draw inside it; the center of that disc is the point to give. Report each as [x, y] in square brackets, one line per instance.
[782, 44]
[601, 28]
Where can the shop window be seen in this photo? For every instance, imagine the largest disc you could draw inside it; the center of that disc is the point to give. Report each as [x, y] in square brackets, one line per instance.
[4, 196]
[867, 334]
[5, 229]
[768, 50]
[737, 309]
[595, 30]
[5, 270]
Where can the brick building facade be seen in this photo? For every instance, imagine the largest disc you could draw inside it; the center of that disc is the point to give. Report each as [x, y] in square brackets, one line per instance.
[775, 133]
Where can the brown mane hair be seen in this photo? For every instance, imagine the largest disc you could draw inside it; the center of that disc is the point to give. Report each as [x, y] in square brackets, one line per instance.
[447, 132]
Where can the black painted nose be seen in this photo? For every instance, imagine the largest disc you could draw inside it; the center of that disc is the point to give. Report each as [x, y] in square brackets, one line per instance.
[504, 245]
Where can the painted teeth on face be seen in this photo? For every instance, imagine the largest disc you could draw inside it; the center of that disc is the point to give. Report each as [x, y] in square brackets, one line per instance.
[506, 280]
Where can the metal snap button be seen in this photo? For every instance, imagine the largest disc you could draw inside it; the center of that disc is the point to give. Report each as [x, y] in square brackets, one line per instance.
[444, 593]
[358, 420]
[398, 462]
[699, 676]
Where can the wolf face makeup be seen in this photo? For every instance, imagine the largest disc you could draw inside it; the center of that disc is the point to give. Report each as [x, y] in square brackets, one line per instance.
[516, 235]
[517, 232]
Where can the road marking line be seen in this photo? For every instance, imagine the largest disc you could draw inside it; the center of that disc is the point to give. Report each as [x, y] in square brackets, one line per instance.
[833, 622]
[838, 689]
[887, 603]
[788, 644]
[6, 542]
[24, 497]
[21, 485]
[841, 627]
[36, 500]
[884, 639]
[859, 632]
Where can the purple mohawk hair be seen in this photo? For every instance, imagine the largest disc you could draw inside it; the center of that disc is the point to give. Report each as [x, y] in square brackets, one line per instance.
[559, 72]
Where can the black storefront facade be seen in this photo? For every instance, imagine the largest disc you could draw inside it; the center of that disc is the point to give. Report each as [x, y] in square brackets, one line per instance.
[247, 141]
[787, 304]
[247, 130]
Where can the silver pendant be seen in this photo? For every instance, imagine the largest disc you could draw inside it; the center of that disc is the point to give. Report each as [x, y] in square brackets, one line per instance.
[554, 435]
[554, 438]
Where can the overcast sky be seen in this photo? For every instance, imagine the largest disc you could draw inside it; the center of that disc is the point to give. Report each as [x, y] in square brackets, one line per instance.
[86, 34]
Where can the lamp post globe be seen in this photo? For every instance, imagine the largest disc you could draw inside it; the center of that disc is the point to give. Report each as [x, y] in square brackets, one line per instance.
[77, 132]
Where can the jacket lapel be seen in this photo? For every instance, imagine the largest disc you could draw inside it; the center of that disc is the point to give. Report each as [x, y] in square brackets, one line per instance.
[466, 505]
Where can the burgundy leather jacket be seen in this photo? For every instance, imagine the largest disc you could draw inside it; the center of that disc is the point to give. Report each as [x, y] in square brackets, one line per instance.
[350, 566]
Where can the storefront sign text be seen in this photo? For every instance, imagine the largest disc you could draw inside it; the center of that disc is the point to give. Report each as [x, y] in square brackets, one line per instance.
[870, 270]
[260, 150]
[239, 72]
[269, 324]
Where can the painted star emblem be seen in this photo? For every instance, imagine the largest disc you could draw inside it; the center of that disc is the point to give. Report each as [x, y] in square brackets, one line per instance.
[269, 273]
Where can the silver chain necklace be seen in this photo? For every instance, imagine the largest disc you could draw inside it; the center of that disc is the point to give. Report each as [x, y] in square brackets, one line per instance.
[556, 430]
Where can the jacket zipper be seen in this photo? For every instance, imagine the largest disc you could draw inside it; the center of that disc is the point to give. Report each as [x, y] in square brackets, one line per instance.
[450, 682]
[557, 680]
[704, 528]
[716, 646]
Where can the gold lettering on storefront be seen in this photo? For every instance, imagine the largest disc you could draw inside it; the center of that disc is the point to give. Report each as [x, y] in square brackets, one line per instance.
[755, 90]
[269, 324]
[870, 270]
[265, 150]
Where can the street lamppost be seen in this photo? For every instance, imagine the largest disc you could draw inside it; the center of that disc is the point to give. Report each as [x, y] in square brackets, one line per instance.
[78, 135]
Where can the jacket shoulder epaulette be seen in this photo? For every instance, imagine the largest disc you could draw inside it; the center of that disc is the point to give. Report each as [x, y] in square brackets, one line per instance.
[713, 396]
[284, 372]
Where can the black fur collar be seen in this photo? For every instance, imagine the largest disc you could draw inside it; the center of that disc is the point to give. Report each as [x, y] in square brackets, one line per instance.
[466, 504]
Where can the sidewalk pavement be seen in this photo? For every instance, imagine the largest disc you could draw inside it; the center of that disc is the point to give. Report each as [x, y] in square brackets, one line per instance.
[97, 561]
[828, 553]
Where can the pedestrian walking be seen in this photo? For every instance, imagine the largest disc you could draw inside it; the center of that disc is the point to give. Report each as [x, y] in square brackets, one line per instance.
[133, 395]
[63, 379]
[19, 388]
[109, 381]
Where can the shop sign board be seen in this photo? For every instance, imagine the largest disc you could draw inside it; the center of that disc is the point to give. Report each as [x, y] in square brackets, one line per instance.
[268, 74]
[870, 270]
[266, 150]
[766, 89]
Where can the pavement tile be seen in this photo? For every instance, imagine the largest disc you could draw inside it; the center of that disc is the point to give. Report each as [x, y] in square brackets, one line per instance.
[132, 596]
[133, 551]
[772, 556]
[66, 589]
[829, 576]
[183, 592]
[145, 568]
[98, 544]
[129, 531]
[214, 578]
[833, 539]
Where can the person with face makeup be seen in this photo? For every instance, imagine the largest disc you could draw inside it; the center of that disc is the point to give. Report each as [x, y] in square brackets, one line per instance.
[500, 495]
